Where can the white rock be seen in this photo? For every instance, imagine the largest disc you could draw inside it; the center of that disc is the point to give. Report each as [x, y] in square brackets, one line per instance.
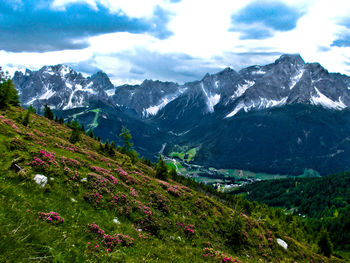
[282, 243]
[40, 179]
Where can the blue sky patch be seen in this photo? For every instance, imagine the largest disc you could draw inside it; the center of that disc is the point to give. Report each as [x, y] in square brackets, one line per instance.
[33, 26]
[258, 20]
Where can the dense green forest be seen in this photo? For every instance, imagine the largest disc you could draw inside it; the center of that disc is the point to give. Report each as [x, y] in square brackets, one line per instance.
[322, 201]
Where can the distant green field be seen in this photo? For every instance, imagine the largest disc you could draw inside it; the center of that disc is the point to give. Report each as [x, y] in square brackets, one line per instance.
[216, 175]
[95, 123]
[185, 155]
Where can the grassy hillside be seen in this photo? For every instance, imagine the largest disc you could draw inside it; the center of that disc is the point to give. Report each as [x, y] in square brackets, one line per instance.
[324, 201]
[95, 208]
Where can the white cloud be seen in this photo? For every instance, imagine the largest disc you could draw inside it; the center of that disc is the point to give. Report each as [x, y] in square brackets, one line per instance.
[60, 4]
[133, 8]
[201, 30]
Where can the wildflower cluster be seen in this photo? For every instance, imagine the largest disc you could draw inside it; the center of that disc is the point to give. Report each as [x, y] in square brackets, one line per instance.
[70, 162]
[91, 156]
[73, 175]
[37, 162]
[189, 230]
[120, 199]
[100, 184]
[100, 170]
[112, 179]
[174, 190]
[133, 192]
[144, 235]
[51, 217]
[94, 198]
[144, 209]
[48, 157]
[10, 123]
[160, 202]
[110, 241]
[70, 148]
[270, 238]
[39, 133]
[29, 136]
[221, 257]
[125, 177]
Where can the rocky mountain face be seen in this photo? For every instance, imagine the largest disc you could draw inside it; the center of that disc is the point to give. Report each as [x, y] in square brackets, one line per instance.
[147, 99]
[282, 117]
[60, 87]
[288, 80]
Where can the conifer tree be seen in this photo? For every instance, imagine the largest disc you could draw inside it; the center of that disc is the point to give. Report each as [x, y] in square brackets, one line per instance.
[173, 173]
[161, 169]
[76, 132]
[101, 148]
[106, 149]
[26, 119]
[31, 109]
[126, 136]
[90, 133]
[324, 243]
[8, 93]
[112, 149]
[48, 112]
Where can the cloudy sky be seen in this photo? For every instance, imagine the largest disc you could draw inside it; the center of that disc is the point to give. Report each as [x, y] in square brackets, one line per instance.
[175, 40]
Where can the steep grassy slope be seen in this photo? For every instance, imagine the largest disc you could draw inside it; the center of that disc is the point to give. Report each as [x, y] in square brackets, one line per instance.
[326, 198]
[100, 209]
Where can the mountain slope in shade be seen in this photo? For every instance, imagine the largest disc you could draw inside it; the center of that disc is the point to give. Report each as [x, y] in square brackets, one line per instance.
[147, 99]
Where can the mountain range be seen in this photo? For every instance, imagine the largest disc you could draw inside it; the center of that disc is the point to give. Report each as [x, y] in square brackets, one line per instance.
[283, 117]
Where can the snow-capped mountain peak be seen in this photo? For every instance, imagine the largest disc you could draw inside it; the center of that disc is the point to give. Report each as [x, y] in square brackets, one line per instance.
[58, 86]
[288, 80]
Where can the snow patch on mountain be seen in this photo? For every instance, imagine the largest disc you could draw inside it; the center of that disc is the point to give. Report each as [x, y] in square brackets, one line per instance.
[64, 70]
[48, 94]
[262, 103]
[110, 92]
[323, 100]
[153, 110]
[236, 110]
[85, 89]
[212, 99]
[266, 103]
[296, 78]
[259, 72]
[49, 71]
[242, 88]
[217, 84]
[69, 104]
